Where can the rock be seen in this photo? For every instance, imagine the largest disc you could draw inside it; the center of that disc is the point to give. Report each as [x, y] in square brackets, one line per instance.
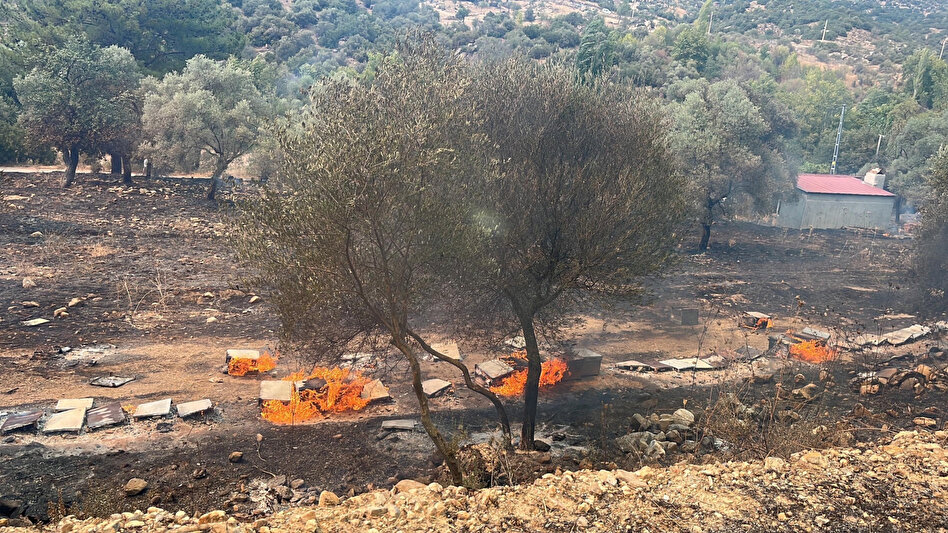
[11, 508]
[60, 313]
[407, 485]
[30, 303]
[199, 473]
[235, 457]
[211, 319]
[639, 423]
[799, 378]
[74, 302]
[634, 442]
[327, 499]
[254, 299]
[212, 517]
[924, 421]
[135, 486]
[134, 524]
[375, 512]
[774, 464]
[297, 484]
[629, 478]
[807, 393]
[655, 450]
[284, 493]
[36, 234]
[683, 417]
[541, 445]
[28, 283]
[582, 523]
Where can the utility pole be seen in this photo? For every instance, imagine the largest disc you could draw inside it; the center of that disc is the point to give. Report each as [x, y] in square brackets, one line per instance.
[710, 20]
[879, 145]
[942, 54]
[825, 24]
[839, 136]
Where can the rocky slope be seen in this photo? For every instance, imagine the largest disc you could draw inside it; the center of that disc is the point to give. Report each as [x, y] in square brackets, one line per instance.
[899, 484]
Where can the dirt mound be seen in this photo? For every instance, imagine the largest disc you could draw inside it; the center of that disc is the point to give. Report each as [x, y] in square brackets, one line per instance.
[896, 485]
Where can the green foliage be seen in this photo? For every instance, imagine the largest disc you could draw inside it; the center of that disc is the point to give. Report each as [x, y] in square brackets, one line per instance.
[209, 114]
[733, 152]
[81, 97]
[596, 51]
[692, 45]
[926, 79]
[932, 237]
[160, 34]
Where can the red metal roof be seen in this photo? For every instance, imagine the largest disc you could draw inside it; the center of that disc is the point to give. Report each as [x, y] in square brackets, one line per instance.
[836, 184]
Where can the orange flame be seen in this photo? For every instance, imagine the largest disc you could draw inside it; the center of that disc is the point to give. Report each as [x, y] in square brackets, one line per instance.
[342, 392]
[240, 367]
[812, 351]
[551, 373]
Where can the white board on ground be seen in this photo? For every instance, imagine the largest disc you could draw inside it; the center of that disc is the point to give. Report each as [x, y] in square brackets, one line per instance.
[156, 408]
[70, 420]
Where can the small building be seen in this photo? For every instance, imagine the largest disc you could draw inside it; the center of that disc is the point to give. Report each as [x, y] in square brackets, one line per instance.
[828, 201]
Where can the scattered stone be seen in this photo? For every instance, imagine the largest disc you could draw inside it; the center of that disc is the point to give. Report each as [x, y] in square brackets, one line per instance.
[235, 457]
[211, 319]
[30, 303]
[924, 421]
[199, 473]
[32, 323]
[74, 302]
[254, 299]
[28, 283]
[135, 486]
[808, 393]
[297, 484]
[683, 417]
[327, 499]
[407, 485]
[60, 313]
[542, 444]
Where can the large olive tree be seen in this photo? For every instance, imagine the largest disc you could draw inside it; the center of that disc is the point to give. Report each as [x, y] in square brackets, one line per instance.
[81, 99]
[210, 114]
[368, 227]
[587, 200]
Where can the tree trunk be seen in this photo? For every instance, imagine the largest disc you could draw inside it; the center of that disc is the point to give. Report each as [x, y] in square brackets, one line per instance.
[116, 163]
[71, 157]
[531, 392]
[472, 385]
[215, 179]
[705, 237]
[449, 455]
[126, 170]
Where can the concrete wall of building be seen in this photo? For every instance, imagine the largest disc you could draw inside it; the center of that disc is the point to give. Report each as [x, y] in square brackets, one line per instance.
[830, 211]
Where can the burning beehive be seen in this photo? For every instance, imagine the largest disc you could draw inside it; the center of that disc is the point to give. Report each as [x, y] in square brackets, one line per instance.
[756, 321]
[812, 351]
[243, 362]
[809, 345]
[341, 391]
[551, 373]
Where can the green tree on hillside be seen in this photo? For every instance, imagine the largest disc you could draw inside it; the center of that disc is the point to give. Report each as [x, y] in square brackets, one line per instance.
[81, 99]
[161, 34]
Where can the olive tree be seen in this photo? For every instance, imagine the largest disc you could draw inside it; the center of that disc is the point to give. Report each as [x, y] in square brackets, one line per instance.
[587, 200]
[367, 227]
[207, 115]
[81, 99]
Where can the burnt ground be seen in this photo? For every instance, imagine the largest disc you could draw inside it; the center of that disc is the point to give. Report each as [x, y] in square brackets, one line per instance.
[151, 264]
